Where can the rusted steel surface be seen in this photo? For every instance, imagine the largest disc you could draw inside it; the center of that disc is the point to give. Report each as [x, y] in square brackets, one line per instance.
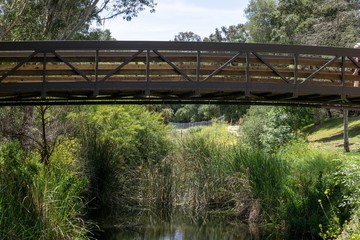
[77, 72]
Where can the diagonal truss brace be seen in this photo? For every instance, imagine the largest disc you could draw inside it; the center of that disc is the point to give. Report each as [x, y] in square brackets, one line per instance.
[79, 72]
[178, 70]
[11, 71]
[320, 69]
[270, 66]
[121, 65]
[231, 60]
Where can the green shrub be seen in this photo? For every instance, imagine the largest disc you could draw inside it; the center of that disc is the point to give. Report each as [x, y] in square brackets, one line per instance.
[269, 128]
[349, 176]
[122, 148]
[253, 128]
[313, 207]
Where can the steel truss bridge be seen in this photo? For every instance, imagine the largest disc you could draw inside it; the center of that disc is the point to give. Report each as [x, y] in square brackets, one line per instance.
[90, 72]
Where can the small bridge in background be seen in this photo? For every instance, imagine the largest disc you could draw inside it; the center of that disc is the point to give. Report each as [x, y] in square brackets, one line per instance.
[90, 72]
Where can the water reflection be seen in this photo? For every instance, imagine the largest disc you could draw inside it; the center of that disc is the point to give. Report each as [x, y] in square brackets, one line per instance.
[184, 231]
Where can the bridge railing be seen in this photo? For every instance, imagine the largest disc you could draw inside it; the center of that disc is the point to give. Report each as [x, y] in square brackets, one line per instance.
[85, 70]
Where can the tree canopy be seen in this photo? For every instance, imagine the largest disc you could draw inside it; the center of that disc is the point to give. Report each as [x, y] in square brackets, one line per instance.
[187, 37]
[233, 33]
[61, 19]
[310, 22]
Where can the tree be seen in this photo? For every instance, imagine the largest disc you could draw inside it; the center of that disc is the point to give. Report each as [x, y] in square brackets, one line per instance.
[167, 114]
[284, 124]
[271, 127]
[327, 22]
[232, 113]
[233, 33]
[209, 111]
[337, 24]
[292, 19]
[51, 20]
[253, 127]
[187, 113]
[187, 37]
[61, 19]
[93, 34]
[40, 128]
[260, 16]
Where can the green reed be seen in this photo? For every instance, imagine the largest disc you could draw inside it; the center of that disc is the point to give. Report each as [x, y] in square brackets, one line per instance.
[280, 191]
[37, 201]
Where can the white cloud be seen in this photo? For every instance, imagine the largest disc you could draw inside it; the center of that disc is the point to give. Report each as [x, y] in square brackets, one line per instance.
[172, 17]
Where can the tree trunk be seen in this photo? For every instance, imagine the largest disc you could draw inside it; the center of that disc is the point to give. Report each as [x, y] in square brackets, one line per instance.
[44, 151]
[346, 130]
[317, 117]
[24, 130]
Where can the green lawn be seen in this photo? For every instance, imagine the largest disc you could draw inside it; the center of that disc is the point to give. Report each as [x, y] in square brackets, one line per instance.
[330, 133]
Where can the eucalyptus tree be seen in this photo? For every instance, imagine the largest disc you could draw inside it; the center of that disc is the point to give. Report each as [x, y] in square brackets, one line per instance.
[326, 22]
[337, 24]
[40, 128]
[61, 19]
[260, 19]
[233, 33]
[292, 19]
[187, 37]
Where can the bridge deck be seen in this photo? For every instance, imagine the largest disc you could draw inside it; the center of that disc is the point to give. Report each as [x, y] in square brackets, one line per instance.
[40, 72]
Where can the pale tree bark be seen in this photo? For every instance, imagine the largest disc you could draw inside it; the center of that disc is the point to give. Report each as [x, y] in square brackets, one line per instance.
[55, 10]
[6, 28]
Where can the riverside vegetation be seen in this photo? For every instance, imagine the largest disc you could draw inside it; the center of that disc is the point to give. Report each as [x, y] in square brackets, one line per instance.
[122, 163]
[68, 173]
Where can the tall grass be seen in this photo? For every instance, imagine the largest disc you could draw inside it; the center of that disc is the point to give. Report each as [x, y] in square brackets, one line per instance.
[123, 153]
[39, 202]
[212, 175]
[200, 170]
[292, 192]
[267, 176]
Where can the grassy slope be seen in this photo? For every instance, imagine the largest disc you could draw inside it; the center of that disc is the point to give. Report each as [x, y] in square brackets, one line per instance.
[330, 133]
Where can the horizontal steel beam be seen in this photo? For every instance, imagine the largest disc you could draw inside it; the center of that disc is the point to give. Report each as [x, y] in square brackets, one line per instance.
[50, 46]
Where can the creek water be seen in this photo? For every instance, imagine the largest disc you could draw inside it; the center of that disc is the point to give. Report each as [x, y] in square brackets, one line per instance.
[181, 230]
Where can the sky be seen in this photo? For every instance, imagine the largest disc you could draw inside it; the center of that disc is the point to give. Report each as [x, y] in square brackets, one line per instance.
[174, 16]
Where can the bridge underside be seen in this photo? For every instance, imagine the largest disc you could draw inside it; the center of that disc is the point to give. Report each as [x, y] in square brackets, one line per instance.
[174, 72]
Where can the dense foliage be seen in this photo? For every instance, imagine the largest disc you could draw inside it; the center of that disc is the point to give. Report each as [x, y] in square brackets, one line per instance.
[51, 20]
[269, 128]
[298, 192]
[121, 149]
[327, 22]
[106, 165]
[65, 170]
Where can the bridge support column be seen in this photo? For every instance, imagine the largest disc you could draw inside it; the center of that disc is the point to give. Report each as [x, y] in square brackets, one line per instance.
[346, 130]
